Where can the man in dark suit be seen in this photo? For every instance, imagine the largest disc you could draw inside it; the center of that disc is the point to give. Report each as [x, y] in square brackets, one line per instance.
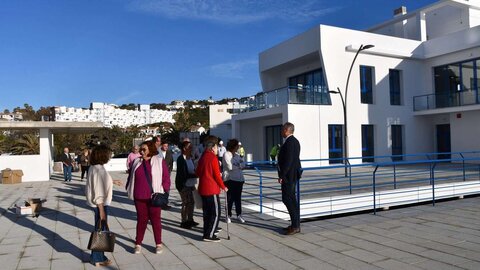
[289, 172]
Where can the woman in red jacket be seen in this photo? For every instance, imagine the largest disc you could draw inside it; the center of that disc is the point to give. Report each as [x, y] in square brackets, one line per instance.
[210, 183]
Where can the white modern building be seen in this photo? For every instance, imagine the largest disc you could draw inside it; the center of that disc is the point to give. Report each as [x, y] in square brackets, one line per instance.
[414, 91]
[110, 115]
[220, 118]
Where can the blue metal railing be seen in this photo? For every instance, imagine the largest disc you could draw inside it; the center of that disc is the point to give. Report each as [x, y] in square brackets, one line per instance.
[436, 101]
[322, 183]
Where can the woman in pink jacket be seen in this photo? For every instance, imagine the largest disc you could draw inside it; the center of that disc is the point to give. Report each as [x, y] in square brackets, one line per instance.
[149, 167]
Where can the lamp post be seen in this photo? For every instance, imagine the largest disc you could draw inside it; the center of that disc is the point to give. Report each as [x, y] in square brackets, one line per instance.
[344, 103]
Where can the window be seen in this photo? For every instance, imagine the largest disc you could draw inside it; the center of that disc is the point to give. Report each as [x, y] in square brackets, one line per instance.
[366, 84]
[457, 84]
[309, 88]
[367, 143]
[397, 141]
[394, 76]
[335, 143]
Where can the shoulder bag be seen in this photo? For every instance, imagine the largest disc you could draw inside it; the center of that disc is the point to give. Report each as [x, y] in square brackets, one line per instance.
[157, 199]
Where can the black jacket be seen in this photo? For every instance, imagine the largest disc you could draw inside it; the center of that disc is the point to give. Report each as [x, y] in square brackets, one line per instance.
[67, 160]
[182, 173]
[289, 167]
[169, 160]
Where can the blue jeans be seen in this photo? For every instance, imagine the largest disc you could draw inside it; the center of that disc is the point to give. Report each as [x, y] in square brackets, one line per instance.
[98, 256]
[67, 172]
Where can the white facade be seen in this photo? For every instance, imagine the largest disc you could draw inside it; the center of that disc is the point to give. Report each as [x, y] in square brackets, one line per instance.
[110, 115]
[220, 117]
[412, 45]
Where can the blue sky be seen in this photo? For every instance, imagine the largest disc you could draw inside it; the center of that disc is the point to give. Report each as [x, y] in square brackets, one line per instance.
[73, 52]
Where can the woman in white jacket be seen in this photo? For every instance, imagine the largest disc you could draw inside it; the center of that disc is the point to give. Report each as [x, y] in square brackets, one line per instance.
[98, 191]
[233, 178]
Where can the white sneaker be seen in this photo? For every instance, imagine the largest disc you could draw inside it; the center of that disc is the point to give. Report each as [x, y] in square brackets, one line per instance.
[138, 249]
[240, 219]
[229, 220]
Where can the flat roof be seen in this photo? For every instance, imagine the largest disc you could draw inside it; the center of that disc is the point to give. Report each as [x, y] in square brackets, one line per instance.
[55, 127]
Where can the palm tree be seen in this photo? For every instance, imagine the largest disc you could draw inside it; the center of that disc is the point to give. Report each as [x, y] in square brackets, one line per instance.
[27, 145]
[2, 143]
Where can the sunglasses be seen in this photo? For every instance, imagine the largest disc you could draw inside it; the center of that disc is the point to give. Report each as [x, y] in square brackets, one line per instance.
[143, 149]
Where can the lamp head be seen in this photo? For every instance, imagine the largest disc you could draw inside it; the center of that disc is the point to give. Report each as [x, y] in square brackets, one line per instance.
[366, 47]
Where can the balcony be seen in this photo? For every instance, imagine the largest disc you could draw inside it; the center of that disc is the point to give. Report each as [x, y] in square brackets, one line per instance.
[287, 95]
[438, 101]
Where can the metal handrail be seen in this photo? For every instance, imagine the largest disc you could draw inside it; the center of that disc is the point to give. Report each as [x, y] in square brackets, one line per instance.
[428, 159]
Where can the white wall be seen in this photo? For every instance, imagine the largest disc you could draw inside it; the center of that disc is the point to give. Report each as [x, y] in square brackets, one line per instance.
[34, 167]
[308, 131]
[220, 121]
[249, 128]
[116, 164]
[465, 131]
[380, 114]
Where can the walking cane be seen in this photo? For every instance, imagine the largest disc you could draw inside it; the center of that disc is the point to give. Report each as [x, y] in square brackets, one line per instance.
[226, 215]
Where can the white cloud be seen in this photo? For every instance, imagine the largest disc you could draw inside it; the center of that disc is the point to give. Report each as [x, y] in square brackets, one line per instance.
[234, 70]
[234, 11]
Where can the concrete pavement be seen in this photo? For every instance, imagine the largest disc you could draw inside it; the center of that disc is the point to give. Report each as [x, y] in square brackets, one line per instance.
[420, 237]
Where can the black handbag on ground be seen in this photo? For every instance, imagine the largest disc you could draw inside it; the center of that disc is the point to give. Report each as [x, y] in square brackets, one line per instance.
[157, 199]
[102, 240]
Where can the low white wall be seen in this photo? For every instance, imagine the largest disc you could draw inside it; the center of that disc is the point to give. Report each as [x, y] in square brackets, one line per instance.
[34, 167]
[116, 164]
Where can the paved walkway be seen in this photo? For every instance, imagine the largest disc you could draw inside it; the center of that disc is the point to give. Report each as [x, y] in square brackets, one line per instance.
[422, 237]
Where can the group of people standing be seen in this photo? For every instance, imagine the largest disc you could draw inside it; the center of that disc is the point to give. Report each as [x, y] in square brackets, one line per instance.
[149, 168]
[212, 180]
[82, 160]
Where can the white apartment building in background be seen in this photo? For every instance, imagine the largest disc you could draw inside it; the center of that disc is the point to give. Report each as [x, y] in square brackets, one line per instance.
[110, 115]
[415, 91]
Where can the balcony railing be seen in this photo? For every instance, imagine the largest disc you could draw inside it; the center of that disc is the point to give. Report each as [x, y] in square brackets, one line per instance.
[283, 96]
[437, 101]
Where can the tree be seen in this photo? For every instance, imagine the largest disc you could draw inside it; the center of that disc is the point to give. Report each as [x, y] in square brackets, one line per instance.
[159, 106]
[130, 106]
[27, 145]
[3, 138]
[28, 113]
[44, 112]
[189, 117]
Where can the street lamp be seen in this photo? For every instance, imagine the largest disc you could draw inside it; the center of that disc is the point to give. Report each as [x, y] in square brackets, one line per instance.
[344, 103]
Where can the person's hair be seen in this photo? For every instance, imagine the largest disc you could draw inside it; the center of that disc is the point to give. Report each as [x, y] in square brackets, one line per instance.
[289, 126]
[165, 142]
[184, 145]
[210, 142]
[152, 149]
[100, 155]
[156, 139]
[232, 144]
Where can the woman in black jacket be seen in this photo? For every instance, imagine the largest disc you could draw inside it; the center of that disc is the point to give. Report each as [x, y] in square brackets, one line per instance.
[185, 181]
